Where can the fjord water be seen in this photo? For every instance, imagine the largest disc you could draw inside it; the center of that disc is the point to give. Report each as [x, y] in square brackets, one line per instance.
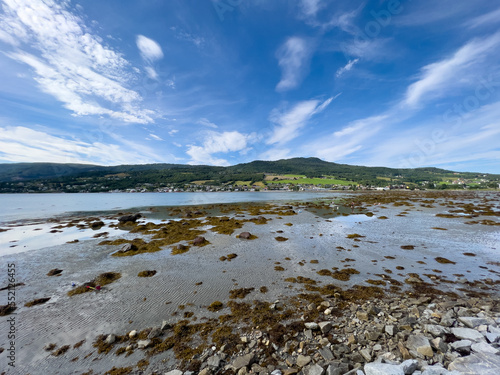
[43, 206]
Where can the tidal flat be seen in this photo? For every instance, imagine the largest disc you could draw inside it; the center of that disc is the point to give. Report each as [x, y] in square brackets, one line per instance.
[179, 284]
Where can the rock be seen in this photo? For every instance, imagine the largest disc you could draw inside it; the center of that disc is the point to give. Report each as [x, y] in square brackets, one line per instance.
[155, 332]
[326, 354]
[143, 344]
[127, 247]
[389, 329]
[276, 372]
[200, 240]
[467, 334]
[243, 361]
[462, 346]
[213, 361]
[327, 311]
[383, 369]
[205, 371]
[311, 325]
[409, 366]
[479, 363]
[336, 368]
[366, 354]
[132, 334]
[473, 322]
[361, 315]
[439, 344]
[420, 344]
[174, 372]
[436, 330]
[245, 235]
[325, 327]
[129, 218]
[404, 352]
[437, 370]
[492, 337]
[303, 360]
[110, 339]
[308, 333]
[313, 370]
[165, 325]
[482, 347]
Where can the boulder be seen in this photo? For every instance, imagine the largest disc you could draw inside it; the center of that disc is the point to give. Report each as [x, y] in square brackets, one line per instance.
[420, 344]
[243, 361]
[473, 322]
[383, 369]
[478, 363]
[143, 344]
[129, 218]
[467, 334]
[409, 366]
[303, 360]
[213, 361]
[245, 235]
[110, 339]
[482, 347]
[325, 327]
[200, 240]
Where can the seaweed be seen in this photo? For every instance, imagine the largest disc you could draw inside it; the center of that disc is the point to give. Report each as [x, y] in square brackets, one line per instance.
[101, 280]
[38, 301]
[147, 273]
[444, 260]
[240, 293]
[281, 239]
[215, 306]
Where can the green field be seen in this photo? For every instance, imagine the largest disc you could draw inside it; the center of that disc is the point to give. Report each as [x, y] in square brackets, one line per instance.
[310, 181]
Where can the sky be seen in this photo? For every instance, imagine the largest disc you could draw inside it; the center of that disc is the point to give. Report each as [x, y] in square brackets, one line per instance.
[402, 84]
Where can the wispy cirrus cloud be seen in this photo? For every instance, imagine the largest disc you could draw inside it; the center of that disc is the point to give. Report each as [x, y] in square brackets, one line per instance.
[150, 52]
[289, 123]
[69, 61]
[309, 8]
[293, 59]
[484, 20]
[22, 144]
[347, 67]
[440, 77]
[205, 122]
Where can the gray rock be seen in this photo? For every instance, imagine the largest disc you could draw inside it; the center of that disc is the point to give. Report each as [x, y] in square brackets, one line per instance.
[482, 347]
[326, 354]
[473, 322]
[245, 235]
[492, 337]
[436, 330]
[213, 361]
[313, 370]
[389, 329]
[311, 325]
[337, 369]
[243, 361]
[303, 360]
[366, 354]
[174, 372]
[462, 346]
[308, 333]
[409, 366]
[155, 332]
[420, 344]
[276, 372]
[325, 327]
[110, 339]
[205, 371]
[467, 334]
[165, 325]
[383, 369]
[439, 344]
[142, 344]
[437, 370]
[479, 363]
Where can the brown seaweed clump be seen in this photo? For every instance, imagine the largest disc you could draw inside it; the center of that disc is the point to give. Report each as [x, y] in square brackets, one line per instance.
[281, 239]
[215, 306]
[444, 260]
[54, 272]
[146, 273]
[7, 309]
[179, 249]
[342, 275]
[103, 279]
[60, 351]
[407, 247]
[354, 235]
[119, 371]
[38, 301]
[240, 293]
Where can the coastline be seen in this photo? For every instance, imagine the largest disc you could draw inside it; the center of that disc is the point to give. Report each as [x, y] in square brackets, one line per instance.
[317, 233]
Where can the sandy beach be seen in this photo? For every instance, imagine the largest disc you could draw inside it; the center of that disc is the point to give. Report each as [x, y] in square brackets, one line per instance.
[387, 244]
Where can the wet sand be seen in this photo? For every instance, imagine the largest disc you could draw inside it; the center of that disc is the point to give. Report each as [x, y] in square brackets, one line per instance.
[195, 279]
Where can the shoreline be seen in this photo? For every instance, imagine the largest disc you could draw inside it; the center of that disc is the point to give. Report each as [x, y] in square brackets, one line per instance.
[317, 233]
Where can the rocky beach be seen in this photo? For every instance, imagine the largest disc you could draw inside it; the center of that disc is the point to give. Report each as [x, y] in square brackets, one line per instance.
[375, 283]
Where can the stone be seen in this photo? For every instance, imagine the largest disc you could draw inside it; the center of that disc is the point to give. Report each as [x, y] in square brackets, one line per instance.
[420, 344]
[437, 370]
[478, 363]
[439, 344]
[155, 332]
[242, 371]
[326, 354]
[327, 311]
[313, 370]
[143, 344]
[409, 366]
[174, 372]
[311, 325]
[243, 361]
[165, 325]
[110, 339]
[325, 327]
[436, 330]
[467, 334]
[482, 347]
[361, 315]
[200, 240]
[308, 333]
[404, 352]
[492, 337]
[276, 372]
[245, 235]
[213, 361]
[462, 346]
[205, 371]
[127, 247]
[366, 354]
[383, 369]
[132, 334]
[389, 329]
[351, 340]
[337, 368]
[473, 322]
[303, 360]
[129, 218]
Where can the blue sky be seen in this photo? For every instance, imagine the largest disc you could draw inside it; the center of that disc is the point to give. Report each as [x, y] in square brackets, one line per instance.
[378, 83]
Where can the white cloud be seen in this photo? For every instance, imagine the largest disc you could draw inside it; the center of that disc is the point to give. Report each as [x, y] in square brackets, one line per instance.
[206, 122]
[155, 137]
[149, 49]
[484, 20]
[173, 131]
[21, 144]
[216, 142]
[69, 62]
[276, 153]
[293, 58]
[288, 124]
[346, 68]
[310, 7]
[440, 77]
[151, 72]
[198, 41]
